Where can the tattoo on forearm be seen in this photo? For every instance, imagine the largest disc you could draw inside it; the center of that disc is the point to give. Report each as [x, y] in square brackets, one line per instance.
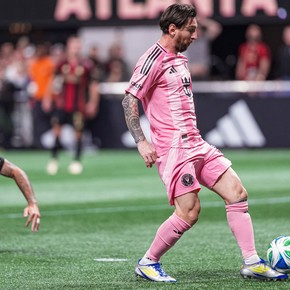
[131, 111]
[21, 179]
[24, 185]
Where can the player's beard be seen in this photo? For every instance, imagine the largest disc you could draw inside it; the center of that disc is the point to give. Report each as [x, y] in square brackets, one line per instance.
[181, 46]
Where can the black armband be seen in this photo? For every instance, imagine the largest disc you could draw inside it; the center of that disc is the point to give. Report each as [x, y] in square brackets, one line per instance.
[1, 162]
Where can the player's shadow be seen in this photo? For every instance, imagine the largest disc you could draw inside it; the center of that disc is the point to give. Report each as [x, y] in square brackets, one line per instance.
[211, 277]
[206, 276]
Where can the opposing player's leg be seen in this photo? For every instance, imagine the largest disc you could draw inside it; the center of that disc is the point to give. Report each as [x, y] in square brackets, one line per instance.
[52, 166]
[76, 166]
[230, 188]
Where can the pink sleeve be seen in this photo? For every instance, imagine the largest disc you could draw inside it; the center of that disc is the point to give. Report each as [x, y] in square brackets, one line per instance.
[140, 82]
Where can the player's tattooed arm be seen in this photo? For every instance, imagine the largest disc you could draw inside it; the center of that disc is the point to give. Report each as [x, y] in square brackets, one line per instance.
[132, 117]
[31, 211]
[12, 171]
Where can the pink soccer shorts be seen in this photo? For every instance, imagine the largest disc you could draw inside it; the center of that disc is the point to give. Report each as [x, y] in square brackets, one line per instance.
[184, 170]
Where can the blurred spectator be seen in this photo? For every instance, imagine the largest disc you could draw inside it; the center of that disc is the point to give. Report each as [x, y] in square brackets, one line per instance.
[116, 66]
[57, 53]
[6, 109]
[25, 47]
[98, 74]
[116, 71]
[77, 97]
[41, 72]
[199, 53]
[254, 57]
[6, 96]
[282, 65]
[6, 53]
[17, 75]
[99, 68]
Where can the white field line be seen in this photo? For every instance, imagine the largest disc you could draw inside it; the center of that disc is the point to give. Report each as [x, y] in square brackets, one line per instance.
[110, 260]
[136, 208]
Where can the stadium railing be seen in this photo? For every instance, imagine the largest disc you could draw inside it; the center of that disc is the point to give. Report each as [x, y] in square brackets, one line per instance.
[215, 87]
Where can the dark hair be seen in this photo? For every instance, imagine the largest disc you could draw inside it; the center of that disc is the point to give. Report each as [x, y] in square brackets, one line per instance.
[177, 14]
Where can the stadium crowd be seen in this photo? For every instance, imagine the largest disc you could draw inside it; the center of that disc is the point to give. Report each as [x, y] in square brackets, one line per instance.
[28, 79]
[27, 75]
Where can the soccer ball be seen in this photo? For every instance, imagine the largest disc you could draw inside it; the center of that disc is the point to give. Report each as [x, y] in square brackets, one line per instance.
[278, 254]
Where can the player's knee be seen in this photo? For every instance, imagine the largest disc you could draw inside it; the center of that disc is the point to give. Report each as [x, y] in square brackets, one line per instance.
[244, 194]
[193, 217]
[192, 214]
[240, 193]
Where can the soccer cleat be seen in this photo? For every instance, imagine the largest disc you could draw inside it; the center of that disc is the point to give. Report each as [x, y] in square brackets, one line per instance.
[261, 271]
[153, 272]
[52, 167]
[75, 167]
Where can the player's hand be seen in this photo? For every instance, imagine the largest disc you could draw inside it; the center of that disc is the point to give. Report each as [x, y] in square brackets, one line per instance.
[147, 152]
[32, 212]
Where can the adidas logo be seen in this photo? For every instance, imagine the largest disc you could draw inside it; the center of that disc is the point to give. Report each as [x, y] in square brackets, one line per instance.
[172, 70]
[237, 129]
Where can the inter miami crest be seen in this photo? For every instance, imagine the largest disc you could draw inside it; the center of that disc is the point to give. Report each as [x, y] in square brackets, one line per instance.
[187, 179]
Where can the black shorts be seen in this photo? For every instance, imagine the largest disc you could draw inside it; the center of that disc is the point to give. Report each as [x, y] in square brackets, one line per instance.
[76, 119]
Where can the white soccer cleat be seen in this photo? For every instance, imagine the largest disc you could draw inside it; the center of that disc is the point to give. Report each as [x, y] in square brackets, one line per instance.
[52, 167]
[152, 272]
[75, 168]
[261, 271]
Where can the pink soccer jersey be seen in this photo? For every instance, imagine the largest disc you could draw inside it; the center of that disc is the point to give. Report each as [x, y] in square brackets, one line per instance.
[161, 80]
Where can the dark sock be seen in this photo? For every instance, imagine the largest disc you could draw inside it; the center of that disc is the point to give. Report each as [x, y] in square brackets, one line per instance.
[55, 148]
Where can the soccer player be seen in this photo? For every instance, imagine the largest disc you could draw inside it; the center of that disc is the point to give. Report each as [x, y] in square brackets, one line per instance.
[76, 98]
[9, 169]
[161, 81]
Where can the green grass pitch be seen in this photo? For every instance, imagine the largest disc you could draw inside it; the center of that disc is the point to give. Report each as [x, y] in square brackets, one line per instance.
[113, 210]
